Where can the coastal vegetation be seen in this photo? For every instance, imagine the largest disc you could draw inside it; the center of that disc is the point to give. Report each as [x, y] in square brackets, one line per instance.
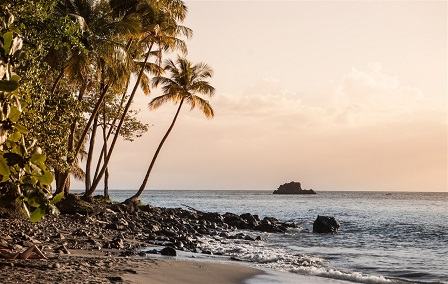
[69, 73]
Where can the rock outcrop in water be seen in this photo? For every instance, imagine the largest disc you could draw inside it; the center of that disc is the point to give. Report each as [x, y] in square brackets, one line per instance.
[325, 224]
[293, 188]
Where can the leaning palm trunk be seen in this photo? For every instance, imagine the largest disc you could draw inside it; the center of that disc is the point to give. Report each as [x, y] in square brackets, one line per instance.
[120, 124]
[104, 152]
[65, 186]
[135, 197]
[63, 178]
[90, 154]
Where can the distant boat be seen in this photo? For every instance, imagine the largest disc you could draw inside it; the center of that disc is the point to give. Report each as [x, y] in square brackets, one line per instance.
[293, 188]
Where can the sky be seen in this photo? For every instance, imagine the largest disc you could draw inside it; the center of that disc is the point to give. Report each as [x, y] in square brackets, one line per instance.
[337, 95]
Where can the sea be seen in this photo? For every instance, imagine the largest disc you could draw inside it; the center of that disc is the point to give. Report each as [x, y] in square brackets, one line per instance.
[385, 237]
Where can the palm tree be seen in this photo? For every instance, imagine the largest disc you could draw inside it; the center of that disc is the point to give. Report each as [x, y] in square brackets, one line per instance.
[160, 27]
[184, 83]
[104, 59]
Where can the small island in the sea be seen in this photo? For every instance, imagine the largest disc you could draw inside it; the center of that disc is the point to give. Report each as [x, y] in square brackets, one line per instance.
[293, 188]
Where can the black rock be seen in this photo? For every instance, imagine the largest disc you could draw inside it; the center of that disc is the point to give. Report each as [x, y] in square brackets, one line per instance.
[169, 251]
[293, 188]
[115, 279]
[325, 224]
[234, 220]
[250, 220]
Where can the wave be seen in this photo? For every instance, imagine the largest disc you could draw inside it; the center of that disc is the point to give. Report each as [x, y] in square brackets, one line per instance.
[267, 256]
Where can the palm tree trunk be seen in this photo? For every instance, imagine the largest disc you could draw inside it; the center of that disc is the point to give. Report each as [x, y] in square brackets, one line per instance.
[58, 79]
[117, 116]
[62, 178]
[120, 124]
[134, 198]
[89, 123]
[104, 152]
[90, 154]
[71, 136]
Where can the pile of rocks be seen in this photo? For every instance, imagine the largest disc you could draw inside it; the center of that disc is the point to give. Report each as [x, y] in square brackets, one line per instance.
[118, 227]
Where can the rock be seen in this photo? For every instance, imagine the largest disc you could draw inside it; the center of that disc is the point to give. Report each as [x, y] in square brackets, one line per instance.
[115, 279]
[169, 251]
[234, 220]
[249, 238]
[325, 224]
[117, 243]
[72, 204]
[293, 188]
[212, 217]
[152, 251]
[250, 219]
[56, 265]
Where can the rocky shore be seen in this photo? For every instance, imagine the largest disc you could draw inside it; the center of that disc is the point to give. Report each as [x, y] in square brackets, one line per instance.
[117, 231]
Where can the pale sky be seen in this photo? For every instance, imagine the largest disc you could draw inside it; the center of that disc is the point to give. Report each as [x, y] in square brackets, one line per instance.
[337, 95]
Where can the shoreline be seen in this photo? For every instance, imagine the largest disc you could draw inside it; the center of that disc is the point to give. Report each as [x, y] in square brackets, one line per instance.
[102, 242]
[97, 267]
[90, 266]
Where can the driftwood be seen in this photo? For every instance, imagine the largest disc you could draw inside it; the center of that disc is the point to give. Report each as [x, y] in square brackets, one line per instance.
[32, 252]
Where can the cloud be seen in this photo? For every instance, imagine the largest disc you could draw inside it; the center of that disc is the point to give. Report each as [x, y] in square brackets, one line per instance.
[360, 97]
[371, 96]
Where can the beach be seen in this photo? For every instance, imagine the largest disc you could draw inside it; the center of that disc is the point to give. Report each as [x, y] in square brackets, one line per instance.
[83, 266]
[89, 266]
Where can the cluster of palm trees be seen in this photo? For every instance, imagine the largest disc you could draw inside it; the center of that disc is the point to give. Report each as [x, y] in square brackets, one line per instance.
[122, 48]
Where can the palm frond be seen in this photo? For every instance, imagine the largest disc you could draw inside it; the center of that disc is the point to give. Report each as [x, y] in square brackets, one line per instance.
[160, 100]
[203, 105]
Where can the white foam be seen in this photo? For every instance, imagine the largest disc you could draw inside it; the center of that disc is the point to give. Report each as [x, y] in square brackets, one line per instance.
[266, 256]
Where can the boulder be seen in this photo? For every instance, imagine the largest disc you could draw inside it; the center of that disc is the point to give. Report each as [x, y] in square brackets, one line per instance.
[169, 251]
[250, 220]
[325, 224]
[293, 188]
[235, 221]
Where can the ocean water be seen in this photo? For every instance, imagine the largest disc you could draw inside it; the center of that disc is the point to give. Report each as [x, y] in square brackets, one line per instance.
[384, 237]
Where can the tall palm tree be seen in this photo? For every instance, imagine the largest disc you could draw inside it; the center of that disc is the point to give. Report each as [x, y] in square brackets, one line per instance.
[160, 28]
[184, 83]
[104, 59]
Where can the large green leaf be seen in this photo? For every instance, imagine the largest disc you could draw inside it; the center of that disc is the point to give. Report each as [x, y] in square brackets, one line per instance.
[38, 159]
[37, 214]
[4, 168]
[58, 197]
[7, 41]
[14, 114]
[16, 136]
[33, 201]
[8, 86]
[46, 178]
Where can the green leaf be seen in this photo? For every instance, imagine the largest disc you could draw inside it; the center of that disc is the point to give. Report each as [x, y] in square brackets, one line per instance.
[32, 201]
[15, 136]
[14, 114]
[37, 214]
[15, 77]
[46, 178]
[4, 169]
[8, 86]
[21, 128]
[56, 198]
[7, 41]
[38, 159]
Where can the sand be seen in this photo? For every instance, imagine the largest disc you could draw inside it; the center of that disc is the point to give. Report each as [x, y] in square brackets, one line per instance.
[172, 271]
[87, 266]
